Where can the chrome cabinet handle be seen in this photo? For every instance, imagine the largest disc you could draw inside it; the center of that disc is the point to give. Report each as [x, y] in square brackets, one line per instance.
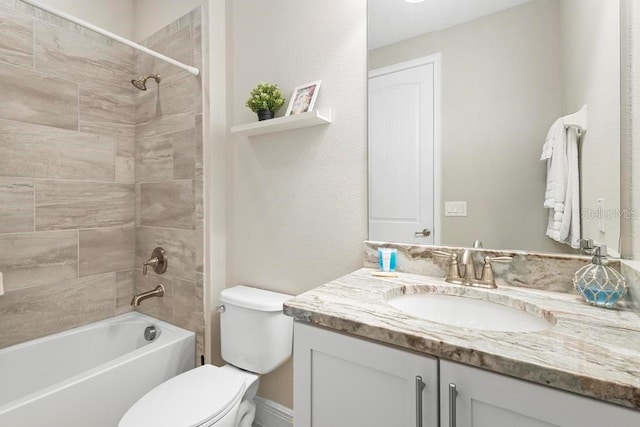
[419, 388]
[453, 393]
[424, 233]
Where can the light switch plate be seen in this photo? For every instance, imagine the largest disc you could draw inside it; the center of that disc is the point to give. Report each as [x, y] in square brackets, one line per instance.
[458, 208]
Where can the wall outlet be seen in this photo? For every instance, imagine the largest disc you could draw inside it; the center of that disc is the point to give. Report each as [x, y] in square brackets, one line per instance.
[455, 208]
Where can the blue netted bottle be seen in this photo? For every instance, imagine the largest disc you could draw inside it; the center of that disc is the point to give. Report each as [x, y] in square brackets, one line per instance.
[598, 283]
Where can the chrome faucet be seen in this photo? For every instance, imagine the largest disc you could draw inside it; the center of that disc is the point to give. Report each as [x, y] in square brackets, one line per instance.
[157, 292]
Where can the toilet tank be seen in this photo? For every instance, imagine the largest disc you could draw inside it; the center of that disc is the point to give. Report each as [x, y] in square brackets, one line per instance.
[254, 332]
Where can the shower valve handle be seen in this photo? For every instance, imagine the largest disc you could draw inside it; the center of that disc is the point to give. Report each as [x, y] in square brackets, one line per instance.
[158, 262]
[153, 261]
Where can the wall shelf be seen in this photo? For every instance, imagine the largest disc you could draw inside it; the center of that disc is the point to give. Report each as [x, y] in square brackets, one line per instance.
[310, 118]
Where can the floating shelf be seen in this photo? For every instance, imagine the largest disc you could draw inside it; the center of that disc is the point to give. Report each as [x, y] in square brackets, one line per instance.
[310, 118]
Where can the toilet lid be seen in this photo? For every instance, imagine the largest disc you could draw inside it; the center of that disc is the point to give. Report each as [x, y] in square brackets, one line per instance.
[187, 400]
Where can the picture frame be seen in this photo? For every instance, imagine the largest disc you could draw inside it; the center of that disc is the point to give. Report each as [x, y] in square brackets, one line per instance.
[303, 98]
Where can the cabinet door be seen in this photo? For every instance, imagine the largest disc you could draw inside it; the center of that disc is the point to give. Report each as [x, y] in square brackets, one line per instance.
[342, 381]
[486, 399]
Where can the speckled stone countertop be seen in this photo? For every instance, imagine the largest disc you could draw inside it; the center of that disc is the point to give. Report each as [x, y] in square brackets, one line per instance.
[590, 351]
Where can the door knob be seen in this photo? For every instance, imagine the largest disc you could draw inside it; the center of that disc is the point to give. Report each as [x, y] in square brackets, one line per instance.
[424, 233]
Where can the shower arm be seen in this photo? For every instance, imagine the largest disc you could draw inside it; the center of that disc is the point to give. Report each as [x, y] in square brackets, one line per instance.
[193, 70]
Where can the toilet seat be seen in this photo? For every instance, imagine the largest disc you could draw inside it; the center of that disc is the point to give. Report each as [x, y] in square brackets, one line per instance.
[197, 398]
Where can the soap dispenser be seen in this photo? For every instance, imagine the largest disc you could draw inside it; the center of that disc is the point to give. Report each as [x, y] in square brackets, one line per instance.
[598, 283]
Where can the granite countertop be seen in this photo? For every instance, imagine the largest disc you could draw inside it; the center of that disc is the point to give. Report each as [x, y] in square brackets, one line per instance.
[589, 350]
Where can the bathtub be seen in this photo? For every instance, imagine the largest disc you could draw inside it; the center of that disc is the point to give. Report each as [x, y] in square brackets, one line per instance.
[91, 375]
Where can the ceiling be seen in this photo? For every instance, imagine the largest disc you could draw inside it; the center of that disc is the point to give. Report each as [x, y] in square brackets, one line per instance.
[391, 21]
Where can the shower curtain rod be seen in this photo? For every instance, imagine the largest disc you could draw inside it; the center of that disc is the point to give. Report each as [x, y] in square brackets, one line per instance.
[193, 70]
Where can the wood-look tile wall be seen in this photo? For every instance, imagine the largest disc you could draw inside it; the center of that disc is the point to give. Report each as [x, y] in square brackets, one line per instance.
[94, 174]
[168, 162]
[67, 183]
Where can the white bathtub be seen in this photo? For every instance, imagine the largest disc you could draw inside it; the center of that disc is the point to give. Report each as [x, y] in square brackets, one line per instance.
[89, 376]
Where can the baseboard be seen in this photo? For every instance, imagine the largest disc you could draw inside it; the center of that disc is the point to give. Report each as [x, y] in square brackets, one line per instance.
[272, 414]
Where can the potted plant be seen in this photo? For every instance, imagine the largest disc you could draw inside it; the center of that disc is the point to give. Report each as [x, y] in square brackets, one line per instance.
[265, 100]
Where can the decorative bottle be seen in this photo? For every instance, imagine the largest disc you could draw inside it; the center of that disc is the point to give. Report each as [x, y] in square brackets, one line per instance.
[598, 283]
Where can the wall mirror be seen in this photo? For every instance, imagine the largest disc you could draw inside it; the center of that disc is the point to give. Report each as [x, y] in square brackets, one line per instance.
[462, 95]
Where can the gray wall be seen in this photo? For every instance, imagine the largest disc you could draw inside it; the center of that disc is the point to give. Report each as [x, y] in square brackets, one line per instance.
[298, 199]
[67, 205]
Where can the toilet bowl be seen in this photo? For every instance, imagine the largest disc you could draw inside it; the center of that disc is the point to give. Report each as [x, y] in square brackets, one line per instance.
[202, 397]
[256, 338]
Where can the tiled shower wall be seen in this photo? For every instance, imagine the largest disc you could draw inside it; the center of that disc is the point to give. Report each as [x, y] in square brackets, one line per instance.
[67, 206]
[72, 131]
[168, 152]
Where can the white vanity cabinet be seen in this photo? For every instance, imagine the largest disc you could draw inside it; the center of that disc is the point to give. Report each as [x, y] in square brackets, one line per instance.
[345, 381]
[342, 381]
[475, 397]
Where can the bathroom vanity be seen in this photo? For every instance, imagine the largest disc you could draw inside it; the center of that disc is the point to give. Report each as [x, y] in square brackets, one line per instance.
[359, 361]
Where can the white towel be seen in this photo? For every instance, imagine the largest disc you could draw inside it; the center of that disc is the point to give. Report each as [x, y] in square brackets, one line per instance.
[555, 152]
[562, 195]
[570, 228]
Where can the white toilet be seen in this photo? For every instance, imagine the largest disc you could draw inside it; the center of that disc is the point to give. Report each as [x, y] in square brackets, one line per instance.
[256, 338]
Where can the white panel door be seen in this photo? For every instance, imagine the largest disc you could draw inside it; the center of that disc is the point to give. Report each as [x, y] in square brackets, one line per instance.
[486, 399]
[342, 381]
[402, 131]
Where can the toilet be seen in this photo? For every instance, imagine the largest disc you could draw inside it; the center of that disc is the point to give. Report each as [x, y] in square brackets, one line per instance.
[256, 338]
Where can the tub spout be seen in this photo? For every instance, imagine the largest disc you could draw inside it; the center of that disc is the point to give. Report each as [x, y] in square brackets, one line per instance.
[157, 292]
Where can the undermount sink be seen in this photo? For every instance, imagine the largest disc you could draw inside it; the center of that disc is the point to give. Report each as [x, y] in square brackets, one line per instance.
[468, 313]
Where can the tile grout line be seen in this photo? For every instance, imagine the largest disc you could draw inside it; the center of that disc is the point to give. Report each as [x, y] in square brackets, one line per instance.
[71, 230]
[49, 76]
[71, 180]
[34, 207]
[78, 250]
[65, 282]
[60, 129]
[151, 227]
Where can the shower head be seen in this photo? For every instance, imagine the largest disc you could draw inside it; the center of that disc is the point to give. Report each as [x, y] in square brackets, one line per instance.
[141, 82]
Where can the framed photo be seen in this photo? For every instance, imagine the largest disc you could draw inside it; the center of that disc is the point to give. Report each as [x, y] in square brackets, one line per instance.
[303, 98]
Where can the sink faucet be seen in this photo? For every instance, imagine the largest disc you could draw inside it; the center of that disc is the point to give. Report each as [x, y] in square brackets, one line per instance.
[157, 292]
[463, 272]
[487, 279]
[468, 265]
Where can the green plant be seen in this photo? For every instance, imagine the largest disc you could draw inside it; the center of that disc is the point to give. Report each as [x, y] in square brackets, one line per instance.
[265, 96]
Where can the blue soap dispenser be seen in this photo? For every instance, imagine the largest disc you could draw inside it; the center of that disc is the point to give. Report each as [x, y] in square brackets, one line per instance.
[598, 283]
